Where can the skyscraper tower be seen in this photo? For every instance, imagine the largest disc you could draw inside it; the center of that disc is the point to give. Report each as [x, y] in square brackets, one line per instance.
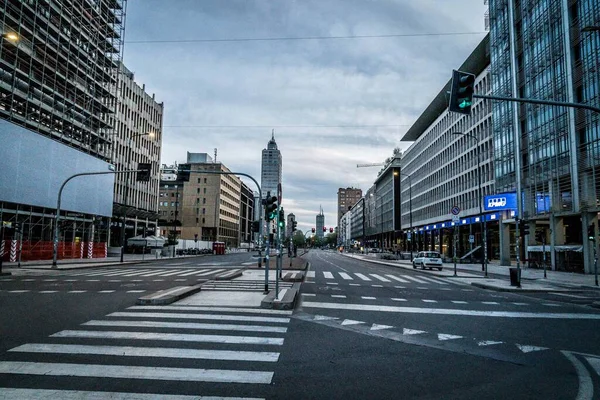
[320, 224]
[270, 176]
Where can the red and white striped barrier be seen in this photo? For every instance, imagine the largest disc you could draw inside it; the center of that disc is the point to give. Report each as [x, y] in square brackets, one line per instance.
[90, 250]
[1, 248]
[80, 249]
[13, 250]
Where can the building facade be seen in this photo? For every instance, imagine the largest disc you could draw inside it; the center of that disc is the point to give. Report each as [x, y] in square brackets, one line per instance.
[289, 225]
[440, 170]
[271, 166]
[246, 215]
[138, 139]
[320, 224]
[59, 74]
[346, 198]
[210, 205]
[548, 153]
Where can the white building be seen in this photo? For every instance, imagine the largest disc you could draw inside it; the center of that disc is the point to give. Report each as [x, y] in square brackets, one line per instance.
[270, 176]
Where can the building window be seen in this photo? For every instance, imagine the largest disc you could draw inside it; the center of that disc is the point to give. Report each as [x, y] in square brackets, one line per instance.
[204, 180]
[204, 190]
[198, 180]
[203, 220]
[197, 190]
[204, 211]
[204, 200]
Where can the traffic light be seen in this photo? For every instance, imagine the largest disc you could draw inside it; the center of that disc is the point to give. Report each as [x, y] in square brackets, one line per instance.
[523, 228]
[313, 230]
[270, 207]
[461, 92]
[330, 230]
[294, 225]
[255, 226]
[143, 174]
[195, 237]
[591, 232]
[281, 221]
[324, 229]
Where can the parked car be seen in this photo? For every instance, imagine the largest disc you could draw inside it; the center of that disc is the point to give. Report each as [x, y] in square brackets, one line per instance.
[428, 259]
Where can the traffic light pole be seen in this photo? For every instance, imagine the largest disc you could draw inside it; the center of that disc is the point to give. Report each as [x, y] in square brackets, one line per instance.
[58, 201]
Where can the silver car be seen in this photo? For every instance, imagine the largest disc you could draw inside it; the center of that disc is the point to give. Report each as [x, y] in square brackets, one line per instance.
[428, 259]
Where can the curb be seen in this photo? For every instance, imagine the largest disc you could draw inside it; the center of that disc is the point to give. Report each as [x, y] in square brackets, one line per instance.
[286, 302]
[169, 296]
[515, 289]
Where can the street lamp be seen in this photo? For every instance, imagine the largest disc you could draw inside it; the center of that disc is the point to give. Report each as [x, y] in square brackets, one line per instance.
[482, 221]
[126, 194]
[410, 212]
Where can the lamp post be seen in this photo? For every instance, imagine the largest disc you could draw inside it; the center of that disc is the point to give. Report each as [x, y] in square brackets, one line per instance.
[482, 221]
[410, 212]
[126, 194]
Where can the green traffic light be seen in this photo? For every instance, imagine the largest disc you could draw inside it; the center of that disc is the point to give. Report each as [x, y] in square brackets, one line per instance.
[465, 103]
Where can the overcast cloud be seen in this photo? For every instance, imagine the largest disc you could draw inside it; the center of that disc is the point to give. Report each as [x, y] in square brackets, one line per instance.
[295, 85]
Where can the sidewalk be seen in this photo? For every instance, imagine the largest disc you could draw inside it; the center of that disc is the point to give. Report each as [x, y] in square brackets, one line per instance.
[531, 279]
[78, 263]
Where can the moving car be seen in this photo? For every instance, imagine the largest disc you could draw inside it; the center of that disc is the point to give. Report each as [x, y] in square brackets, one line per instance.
[428, 259]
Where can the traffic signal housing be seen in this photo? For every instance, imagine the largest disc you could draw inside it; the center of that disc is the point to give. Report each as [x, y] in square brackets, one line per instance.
[330, 230]
[294, 225]
[461, 92]
[143, 174]
[255, 226]
[270, 207]
[281, 221]
[324, 229]
[313, 230]
[591, 231]
[523, 228]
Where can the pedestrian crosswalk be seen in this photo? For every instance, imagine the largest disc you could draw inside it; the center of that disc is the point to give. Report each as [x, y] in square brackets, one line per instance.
[243, 285]
[149, 272]
[147, 345]
[370, 277]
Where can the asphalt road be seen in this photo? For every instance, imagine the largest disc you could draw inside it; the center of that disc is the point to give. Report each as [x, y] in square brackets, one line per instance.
[360, 330]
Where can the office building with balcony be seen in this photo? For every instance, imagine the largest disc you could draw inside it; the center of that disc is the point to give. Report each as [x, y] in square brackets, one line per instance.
[59, 74]
[542, 50]
[440, 170]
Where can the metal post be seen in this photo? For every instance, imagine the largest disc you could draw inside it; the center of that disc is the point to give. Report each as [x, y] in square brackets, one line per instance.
[124, 221]
[267, 267]
[1, 243]
[595, 265]
[544, 251]
[481, 216]
[517, 250]
[454, 245]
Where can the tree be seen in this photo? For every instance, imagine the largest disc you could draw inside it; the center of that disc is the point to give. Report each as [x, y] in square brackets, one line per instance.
[298, 239]
[331, 239]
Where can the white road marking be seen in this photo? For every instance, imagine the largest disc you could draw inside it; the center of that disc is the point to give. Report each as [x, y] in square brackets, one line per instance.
[345, 276]
[379, 277]
[443, 311]
[412, 278]
[376, 286]
[177, 272]
[92, 280]
[189, 325]
[459, 302]
[397, 279]
[429, 301]
[48, 291]
[361, 276]
[331, 283]
[570, 295]
[135, 291]
[551, 305]
[49, 280]
[529, 349]
[179, 263]
[170, 337]
[145, 273]
[19, 291]
[488, 343]
[323, 318]
[308, 294]
[467, 290]
[310, 274]
[338, 296]
[18, 394]
[249, 310]
[396, 299]
[328, 275]
[354, 284]
[520, 304]
[351, 322]
[490, 302]
[406, 331]
[280, 320]
[77, 291]
[160, 272]
[367, 298]
[445, 336]
[130, 351]
[586, 385]
[133, 372]
[400, 287]
[106, 291]
[377, 327]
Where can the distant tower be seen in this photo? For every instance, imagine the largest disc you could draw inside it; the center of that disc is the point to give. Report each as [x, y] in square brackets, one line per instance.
[271, 168]
[320, 224]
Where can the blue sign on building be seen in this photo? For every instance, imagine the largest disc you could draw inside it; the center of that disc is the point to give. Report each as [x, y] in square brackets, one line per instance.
[542, 202]
[501, 201]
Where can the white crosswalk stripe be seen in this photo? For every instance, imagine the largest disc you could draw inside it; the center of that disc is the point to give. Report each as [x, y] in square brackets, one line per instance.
[397, 278]
[381, 278]
[328, 275]
[412, 278]
[361, 276]
[145, 272]
[345, 276]
[98, 352]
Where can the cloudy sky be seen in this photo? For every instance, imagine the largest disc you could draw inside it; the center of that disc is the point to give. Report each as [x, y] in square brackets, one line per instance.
[333, 102]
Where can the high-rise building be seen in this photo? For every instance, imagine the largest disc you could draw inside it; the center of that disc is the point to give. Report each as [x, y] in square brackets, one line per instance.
[347, 197]
[550, 154]
[138, 140]
[288, 226]
[320, 224]
[270, 176]
[246, 214]
[59, 74]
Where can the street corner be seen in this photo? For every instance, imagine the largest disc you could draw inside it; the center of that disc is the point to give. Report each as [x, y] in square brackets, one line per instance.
[284, 299]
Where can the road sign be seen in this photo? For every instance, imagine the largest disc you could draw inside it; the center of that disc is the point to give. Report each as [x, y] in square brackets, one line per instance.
[455, 218]
[455, 210]
[471, 239]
